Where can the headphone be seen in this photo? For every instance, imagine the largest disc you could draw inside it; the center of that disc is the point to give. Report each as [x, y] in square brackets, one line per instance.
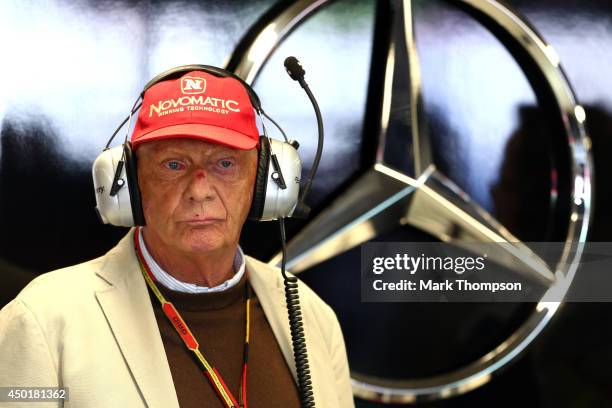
[275, 192]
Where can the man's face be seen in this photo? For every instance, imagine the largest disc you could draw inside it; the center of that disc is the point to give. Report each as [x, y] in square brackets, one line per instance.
[196, 195]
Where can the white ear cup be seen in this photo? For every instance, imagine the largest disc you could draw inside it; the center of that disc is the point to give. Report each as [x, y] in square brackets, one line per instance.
[282, 202]
[115, 209]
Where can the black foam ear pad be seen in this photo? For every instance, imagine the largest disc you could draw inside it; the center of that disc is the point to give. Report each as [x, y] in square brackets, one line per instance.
[261, 182]
[132, 182]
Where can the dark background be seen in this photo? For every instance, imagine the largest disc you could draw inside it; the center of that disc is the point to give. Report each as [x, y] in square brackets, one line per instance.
[71, 70]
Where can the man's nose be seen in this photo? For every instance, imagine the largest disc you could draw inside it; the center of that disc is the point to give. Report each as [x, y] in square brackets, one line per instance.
[199, 187]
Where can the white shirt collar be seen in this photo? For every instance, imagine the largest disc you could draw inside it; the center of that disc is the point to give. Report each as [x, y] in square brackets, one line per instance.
[172, 283]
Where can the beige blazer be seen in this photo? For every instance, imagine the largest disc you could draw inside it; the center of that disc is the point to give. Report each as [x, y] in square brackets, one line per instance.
[91, 328]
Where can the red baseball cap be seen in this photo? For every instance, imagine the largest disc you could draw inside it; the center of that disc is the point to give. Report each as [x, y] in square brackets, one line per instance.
[198, 105]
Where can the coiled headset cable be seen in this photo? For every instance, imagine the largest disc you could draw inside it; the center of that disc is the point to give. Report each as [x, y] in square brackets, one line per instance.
[298, 339]
[300, 354]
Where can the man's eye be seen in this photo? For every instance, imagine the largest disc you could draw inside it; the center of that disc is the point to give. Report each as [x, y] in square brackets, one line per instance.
[174, 165]
[226, 164]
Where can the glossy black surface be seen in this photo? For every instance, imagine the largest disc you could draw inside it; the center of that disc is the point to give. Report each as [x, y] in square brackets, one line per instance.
[71, 70]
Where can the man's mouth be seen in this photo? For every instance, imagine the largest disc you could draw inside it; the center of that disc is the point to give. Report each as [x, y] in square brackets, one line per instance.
[202, 221]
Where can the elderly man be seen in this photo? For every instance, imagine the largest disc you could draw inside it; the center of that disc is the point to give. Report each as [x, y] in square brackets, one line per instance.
[176, 314]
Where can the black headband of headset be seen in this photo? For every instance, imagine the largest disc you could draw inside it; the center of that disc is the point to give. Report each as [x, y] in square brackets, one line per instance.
[177, 71]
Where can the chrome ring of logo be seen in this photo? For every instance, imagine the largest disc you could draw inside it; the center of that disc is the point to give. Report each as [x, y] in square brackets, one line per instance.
[326, 235]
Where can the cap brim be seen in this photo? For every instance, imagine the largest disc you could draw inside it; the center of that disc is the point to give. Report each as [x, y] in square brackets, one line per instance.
[199, 131]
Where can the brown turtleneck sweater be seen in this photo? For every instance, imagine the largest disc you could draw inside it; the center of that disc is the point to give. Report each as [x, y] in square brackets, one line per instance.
[217, 320]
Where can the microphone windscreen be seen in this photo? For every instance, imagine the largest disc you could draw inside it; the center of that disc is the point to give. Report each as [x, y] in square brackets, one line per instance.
[294, 68]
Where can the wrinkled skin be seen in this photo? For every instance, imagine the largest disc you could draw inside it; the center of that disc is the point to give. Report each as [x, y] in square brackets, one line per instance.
[196, 196]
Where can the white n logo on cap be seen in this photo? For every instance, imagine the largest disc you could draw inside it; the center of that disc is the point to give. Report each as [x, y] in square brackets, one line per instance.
[193, 85]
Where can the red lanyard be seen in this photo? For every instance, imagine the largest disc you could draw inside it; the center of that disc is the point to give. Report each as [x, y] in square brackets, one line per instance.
[190, 341]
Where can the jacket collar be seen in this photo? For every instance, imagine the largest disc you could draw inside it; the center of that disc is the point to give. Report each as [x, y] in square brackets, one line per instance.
[127, 307]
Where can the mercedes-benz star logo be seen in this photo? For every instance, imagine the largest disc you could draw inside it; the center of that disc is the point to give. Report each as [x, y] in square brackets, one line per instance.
[383, 197]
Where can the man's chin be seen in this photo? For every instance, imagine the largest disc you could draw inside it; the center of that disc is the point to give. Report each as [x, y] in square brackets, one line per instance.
[202, 240]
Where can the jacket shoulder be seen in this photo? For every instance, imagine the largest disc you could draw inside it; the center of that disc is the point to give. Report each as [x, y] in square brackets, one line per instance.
[64, 284]
[310, 302]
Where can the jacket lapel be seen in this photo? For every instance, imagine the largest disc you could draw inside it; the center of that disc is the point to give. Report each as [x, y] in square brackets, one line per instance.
[127, 307]
[269, 287]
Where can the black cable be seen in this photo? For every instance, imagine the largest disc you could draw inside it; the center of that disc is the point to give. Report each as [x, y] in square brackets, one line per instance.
[297, 329]
[315, 164]
[134, 109]
[275, 124]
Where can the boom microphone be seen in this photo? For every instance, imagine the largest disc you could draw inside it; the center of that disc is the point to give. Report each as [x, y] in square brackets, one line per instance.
[296, 72]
